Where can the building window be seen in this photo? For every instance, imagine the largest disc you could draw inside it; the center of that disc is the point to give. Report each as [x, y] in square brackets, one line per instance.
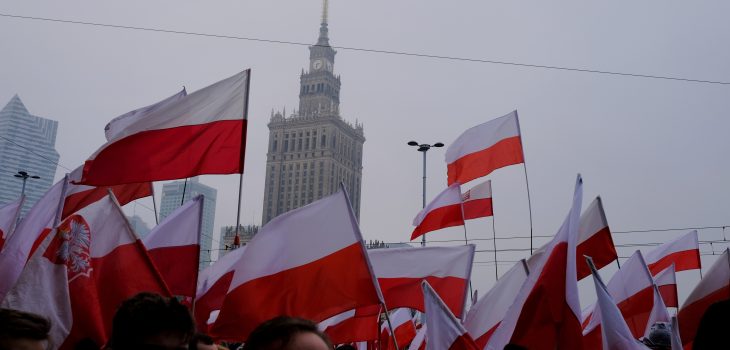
[273, 147]
[324, 141]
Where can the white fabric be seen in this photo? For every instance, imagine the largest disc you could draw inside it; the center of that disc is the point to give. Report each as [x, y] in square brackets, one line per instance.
[443, 327]
[685, 242]
[716, 277]
[106, 220]
[118, 124]
[492, 307]
[592, 221]
[480, 191]
[483, 136]
[658, 312]
[450, 196]
[180, 228]
[400, 317]
[336, 319]
[666, 277]
[8, 216]
[568, 232]
[419, 339]
[208, 277]
[423, 262]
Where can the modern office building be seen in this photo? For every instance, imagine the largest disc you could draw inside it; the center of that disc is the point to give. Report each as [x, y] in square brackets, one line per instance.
[172, 198]
[313, 150]
[228, 237]
[27, 143]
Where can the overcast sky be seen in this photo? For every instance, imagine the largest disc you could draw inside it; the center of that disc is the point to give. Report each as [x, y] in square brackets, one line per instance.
[655, 150]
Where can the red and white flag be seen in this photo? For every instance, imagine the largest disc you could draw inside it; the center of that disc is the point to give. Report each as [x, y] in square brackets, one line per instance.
[443, 330]
[484, 317]
[659, 312]
[546, 311]
[8, 217]
[39, 221]
[213, 284]
[714, 287]
[318, 242]
[401, 270]
[666, 281]
[403, 327]
[174, 246]
[444, 211]
[201, 133]
[594, 239]
[81, 273]
[615, 332]
[120, 123]
[478, 201]
[419, 342]
[683, 252]
[353, 325]
[485, 148]
[79, 196]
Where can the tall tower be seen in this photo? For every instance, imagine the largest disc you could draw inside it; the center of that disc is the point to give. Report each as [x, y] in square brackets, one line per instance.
[313, 150]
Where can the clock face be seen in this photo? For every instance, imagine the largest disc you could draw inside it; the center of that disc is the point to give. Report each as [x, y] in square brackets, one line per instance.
[317, 64]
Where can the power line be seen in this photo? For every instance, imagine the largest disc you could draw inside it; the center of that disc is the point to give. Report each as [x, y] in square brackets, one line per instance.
[369, 50]
[32, 151]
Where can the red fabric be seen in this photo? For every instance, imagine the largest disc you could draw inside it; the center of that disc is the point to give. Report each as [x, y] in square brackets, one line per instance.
[475, 165]
[463, 342]
[684, 260]
[689, 316]
[404, 334]
[439, 218]
[362, 327]
[481, 342]
[167, 154]
[478, 208]
[2, 239]
[407, 292]
[124, 194]
[212, 300]
[669, 295]
[178, 266]
[38, 241]
[635, 310]
[599, 247]
[291, 292]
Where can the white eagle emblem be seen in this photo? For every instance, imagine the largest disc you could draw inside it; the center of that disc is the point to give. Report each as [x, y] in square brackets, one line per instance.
[75, 247]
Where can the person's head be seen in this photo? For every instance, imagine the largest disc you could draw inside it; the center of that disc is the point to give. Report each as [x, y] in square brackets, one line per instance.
[23, 330]
[660, 336]
[202, 342]
[346, 347]
[151, 321]
[287, 333]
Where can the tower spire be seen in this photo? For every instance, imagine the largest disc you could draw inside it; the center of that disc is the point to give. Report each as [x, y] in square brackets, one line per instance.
[325, 8]
[323, 39]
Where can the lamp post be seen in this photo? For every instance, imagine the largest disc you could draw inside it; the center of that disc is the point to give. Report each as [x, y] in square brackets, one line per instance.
[25, 176]
[423, 148]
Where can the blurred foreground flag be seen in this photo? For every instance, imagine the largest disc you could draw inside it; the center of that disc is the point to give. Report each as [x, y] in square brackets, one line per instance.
[478, 201]
[213, 284]
[444, 211]
[82, 272]
[8, 217]
[485, 148]
[444, 331]
[683, 252]
[594, 239]
[308, 263]
[201, 133]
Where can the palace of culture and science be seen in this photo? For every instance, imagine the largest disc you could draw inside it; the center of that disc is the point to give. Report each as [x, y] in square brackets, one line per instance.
[313, 150]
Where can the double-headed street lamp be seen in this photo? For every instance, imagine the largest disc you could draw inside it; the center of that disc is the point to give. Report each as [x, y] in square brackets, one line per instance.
[25, 176]
[424, 147]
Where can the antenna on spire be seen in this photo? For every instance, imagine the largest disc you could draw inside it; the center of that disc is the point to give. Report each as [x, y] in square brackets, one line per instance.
[325, 8]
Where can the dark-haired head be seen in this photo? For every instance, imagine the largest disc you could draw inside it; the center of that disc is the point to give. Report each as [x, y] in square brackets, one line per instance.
[284, 333]
[23, 330]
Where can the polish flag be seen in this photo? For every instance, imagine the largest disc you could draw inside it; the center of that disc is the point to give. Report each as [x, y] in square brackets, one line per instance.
[484, 317]
[614, 330]
[444, 211]
[401, 270]
[478, 201]
[81, 273]
[8, 217]
[201, 133]
[659, 312]
[683, 252]
[353, 325]
[594, 239]
[319, 242]
[117, 125]
[174, 246]
[632, 289]
[485, 148]
[546, 311]
[79, 196]
[443, 330]
[43, 216]
[213, 284]
[666, 281]
[419, 342]
[403, 327]
[714, 287]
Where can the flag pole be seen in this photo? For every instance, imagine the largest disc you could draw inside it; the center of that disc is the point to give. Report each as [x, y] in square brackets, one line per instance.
[527, 182]
[466, 239]
[243, 150]
[390, 326]
[154, 203]
[494, 239]
[185, 188]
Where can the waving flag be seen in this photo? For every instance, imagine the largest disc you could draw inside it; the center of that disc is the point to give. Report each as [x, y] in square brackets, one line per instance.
[666, 281]
[401, 270]
[353, 325]
[419, 342]
[478, 201]
[8, 217]
[683, 252]
[174, 246]
[403, 327]
[213, 284]
[79, 196]
[444, 211]
[484, 148]
[594, 239]
[319, 242]
[117, 125]
[201, 133]
[714, 287]
[81, 274]
[443, 330]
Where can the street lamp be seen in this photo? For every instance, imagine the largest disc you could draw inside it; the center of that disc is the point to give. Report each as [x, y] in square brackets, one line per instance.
[25, 176]
[424, 147]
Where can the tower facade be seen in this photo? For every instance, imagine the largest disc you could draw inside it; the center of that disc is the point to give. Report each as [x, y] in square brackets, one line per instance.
[313, 150]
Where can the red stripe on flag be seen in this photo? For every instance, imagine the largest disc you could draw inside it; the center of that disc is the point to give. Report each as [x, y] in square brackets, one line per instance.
[165, 154]
[599, 247]
[439, 218]
[339, 277]
[463, 342]
[212, 300]
[475, 165]
[635, 310]
[124, 193]
[407, 292]
[355, 329]
[478, 208]
[683, 260]
[178, 266]
[482, 340]
[669, 295]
